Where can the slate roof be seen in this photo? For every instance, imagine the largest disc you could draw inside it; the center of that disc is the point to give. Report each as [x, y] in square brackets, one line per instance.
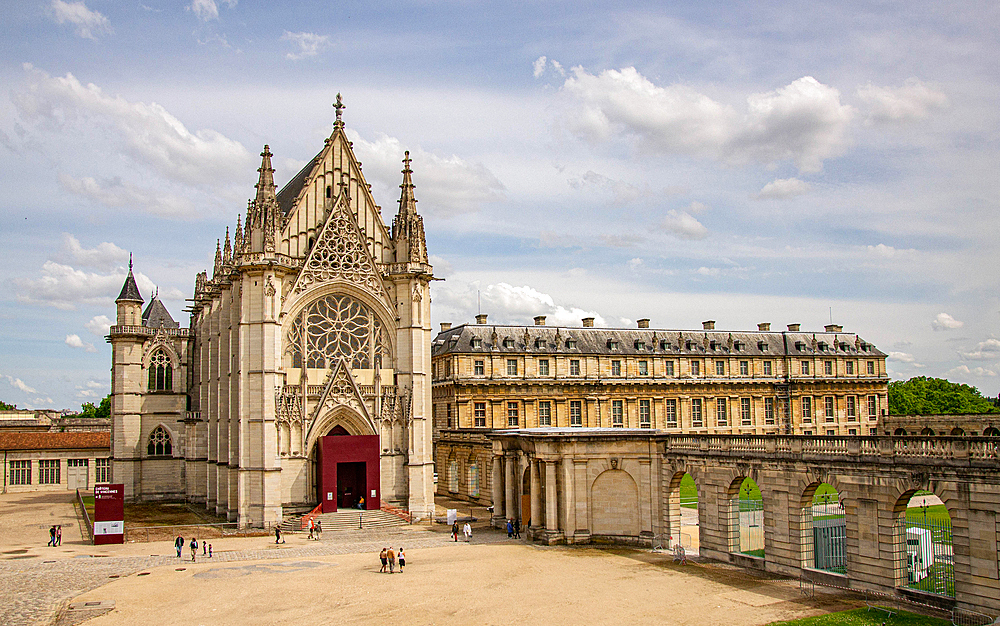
[479, 338]
[288, 193]
[55, 441]
[130, 291]
[157, 316]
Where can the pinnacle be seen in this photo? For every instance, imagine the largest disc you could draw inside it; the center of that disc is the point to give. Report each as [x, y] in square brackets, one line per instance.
[265, 184]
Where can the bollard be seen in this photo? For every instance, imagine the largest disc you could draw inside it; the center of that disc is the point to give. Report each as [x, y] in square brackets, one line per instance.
[360, 516]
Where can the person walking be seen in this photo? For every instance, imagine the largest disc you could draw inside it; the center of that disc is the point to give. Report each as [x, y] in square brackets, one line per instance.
[517, 529]
[194, 548]
[179, 545]
[454, 530]
[209, 550]
[52, 536]
[510, 529]
[277, 536]
[384, 558]
[402, 559]
[467, 531]
[59, 535]
[310, 528]
[204, 548]
[319, 530]
[392, 559]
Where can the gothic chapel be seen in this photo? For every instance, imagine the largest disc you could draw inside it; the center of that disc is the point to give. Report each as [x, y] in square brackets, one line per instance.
[304, 378]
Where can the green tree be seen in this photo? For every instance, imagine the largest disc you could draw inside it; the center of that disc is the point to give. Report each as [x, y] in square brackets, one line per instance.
[103, 410]
[7, 407]
[923, 395]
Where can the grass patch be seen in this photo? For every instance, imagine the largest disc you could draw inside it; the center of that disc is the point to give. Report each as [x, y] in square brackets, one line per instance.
[936, 514]
[759, 553]
[865, 617]
[88, 503]
[749, 490]
[689, 492]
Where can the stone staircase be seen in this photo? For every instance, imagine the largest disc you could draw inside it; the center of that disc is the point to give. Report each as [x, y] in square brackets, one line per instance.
[347, 520]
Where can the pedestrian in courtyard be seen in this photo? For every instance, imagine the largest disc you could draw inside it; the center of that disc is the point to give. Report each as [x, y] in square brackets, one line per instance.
[204, 548]
[59, 535]
[517, 529]
[510, 529]
[52, 536]
[319, 530]
[402, 559]
[277, 536]
[194, 548]
[179, 545]
[385, 560]
[391, 555]
[209, 550]
[467, 531]
[454, 530]
[310, 528]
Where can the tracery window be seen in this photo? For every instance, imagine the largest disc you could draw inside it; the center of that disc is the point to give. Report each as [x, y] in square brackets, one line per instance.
[333, 327]
[160, 372]
[159, 442]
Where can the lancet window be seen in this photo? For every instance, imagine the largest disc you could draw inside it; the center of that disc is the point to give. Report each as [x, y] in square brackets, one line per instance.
[334, 327]
[160, 372]
[159, 442]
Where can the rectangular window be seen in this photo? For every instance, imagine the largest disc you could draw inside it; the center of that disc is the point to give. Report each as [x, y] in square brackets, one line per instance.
[670, 408]
[872, 407]
[696, 368]
[828, 408]
[447, 368]
[852, 431]
[512, 413]
[48, 472]
[745, 418]
[805, 368]
[644, 421]
[616, 368]
[828, 368]
[575, 413]
[807, 409]
[696, 419]
[543, 367]
[448, 410]
[744, 368]
[643, 368]
[830, 432]
[479, 368]
[617, 413]
[807, 432]
[873, 431]
[102, 469]
[871, 368]
[668, 368]
[768, 368]
[720, 368]
[850, 368]
[512, 367]
[769, 410]
[574, 367]
[852, 408]
[479, 414]
[544, 413]
[20, 472]
[721, 416]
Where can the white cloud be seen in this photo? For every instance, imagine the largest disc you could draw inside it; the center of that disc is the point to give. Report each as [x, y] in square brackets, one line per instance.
[783, 189]
[17, 383]
[207, 10]
[711, 272]
[622, 192]
[116, 193]
[444, 185]
[507, 304]
[943, 321]
[74, 341]
[150, 134]
[635, 263]
[88, 23]
[104, 255]
[984, 351]
[683, 225]
[86, 393]
[902, 356]
[96, 384]
[442, 267]
[804, 121]
[965, 370]
[99, 325]
[310, 44]
[538, 66]
[914, 100]
[65, 287]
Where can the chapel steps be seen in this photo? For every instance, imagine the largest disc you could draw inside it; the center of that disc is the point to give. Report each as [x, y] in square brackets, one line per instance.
[347, 520]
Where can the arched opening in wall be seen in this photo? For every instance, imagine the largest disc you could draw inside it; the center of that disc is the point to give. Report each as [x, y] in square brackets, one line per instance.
[526, 498]
[927, 432]
[957, 432]
[453, 476]
[474, 479]
[747, 517]
[615, 504]
[682, 527]
[925, 559]
[824, 545]
[991, 432]
[900, 432]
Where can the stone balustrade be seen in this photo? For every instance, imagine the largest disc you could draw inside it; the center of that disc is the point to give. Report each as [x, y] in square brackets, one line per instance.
[143, 330]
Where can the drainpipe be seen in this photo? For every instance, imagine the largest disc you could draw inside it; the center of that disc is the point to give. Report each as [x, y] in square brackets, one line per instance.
[5, 471]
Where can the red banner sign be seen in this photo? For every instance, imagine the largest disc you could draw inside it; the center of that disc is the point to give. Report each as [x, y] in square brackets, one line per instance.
[109, 514]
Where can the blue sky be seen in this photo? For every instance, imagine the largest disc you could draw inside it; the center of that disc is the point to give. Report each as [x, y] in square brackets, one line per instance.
[781, 162]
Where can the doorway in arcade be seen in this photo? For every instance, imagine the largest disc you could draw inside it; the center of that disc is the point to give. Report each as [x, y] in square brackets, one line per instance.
[349, 468]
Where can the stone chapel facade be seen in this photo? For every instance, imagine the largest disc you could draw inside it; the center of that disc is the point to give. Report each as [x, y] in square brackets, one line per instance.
[304, 377]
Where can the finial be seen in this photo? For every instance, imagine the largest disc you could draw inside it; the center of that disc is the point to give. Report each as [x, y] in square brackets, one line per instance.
[406, 159]
[130, 261]
[339, 106]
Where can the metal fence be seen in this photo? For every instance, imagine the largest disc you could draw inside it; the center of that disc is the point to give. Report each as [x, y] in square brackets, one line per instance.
[927, 554]
[829, 536]
[751, 523]
[206, 531]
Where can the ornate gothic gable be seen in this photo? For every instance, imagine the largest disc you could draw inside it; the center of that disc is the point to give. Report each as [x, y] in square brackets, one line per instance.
[339, 389]
[340, 253]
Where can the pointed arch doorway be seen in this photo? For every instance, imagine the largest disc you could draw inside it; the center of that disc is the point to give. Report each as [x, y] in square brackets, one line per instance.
[348, 470]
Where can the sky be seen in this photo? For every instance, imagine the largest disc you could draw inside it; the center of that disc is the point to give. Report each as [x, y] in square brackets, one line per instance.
[782, 162]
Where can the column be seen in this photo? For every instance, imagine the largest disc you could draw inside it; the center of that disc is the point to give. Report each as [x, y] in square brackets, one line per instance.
[497, 488]
[536, 496]
[552, 533]
[509, 510]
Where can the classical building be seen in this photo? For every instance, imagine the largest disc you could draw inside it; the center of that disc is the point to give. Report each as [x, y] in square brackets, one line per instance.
[972, 424]
[36, 460]
[494, 377]
[304, 377]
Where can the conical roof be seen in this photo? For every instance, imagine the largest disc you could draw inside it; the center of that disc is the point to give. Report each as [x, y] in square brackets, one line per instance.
[157, 316]
[130, 291]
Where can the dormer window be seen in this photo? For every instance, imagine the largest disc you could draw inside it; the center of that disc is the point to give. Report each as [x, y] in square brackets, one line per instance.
[711, 345]
[612, 345]
[476, 342]
[823, 346]
[540, 343]
[800, 345]
[762, 346]
[664, 345]
[738, 346]
[640, 344]
[508, 343]
[571, 343]
[687, 344]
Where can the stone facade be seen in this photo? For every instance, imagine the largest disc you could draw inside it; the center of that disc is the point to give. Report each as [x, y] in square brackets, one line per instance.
[315, 320]
[495, 377]
[54, 461]
[986, 424]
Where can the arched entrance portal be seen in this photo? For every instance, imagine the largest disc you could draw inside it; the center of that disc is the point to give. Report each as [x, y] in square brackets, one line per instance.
[348, 470]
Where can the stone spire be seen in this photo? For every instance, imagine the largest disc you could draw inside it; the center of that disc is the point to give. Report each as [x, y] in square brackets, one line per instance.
[265, 184]
[263, 214]
[238, 237]
[217, 270]
[227, 250]
[408, 227]
[130, 291]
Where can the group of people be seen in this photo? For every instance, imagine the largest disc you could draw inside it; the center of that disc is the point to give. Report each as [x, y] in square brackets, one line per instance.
[466, 530]
[513, 529]
[315, 529]
[206, 548]
[389, 559]
[55, 536]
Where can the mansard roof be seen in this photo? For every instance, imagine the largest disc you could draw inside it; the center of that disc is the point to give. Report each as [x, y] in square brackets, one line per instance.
[487, 338]
[157, 316]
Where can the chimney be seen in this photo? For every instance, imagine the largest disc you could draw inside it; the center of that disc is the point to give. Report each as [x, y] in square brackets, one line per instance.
[445, 326]
[793, 328]
[764, 326]
[643, 323]
[834, 328]
[539, 320]
[708, 325]
[588, 322]
[481, 318]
